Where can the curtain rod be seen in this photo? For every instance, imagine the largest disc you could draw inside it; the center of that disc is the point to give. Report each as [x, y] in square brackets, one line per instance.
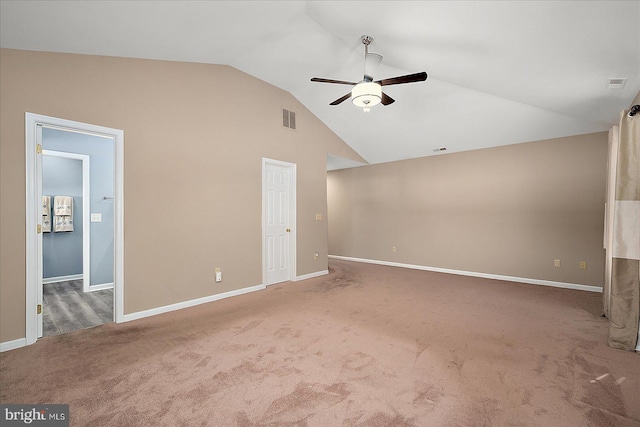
[634, 110]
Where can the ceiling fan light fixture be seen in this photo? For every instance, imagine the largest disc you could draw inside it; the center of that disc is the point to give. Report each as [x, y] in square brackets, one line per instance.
[366, 95]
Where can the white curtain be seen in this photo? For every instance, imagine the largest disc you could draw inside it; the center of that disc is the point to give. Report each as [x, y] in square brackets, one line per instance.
[622, 234]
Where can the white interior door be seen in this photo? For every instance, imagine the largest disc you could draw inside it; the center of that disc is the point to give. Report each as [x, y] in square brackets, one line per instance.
[278, 220]
[38, 195]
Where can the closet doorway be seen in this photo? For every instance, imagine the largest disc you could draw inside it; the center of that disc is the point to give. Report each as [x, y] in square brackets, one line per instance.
[77, 250]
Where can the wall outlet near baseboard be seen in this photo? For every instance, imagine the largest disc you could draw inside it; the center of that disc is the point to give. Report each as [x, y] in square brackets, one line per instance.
[393, 249]
[583, 265]
[218, 275]
[316, 255]
[556, 263]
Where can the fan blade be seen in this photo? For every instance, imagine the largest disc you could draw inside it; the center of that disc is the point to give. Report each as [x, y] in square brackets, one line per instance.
[386, 99]
[409, 78]
[371, 63]
[340, 82]
[340, 100]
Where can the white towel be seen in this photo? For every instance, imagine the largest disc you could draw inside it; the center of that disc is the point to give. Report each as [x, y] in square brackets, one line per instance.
[63, 205]
[46, 214]
[63, 221]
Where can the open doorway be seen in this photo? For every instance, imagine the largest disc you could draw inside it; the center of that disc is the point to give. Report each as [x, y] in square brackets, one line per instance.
[98, 285]
[77, 257]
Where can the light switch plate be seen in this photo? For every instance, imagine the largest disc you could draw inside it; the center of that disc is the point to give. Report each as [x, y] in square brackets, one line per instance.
[96, 217]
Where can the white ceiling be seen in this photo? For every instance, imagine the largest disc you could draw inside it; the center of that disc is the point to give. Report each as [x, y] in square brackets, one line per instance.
[499, 72]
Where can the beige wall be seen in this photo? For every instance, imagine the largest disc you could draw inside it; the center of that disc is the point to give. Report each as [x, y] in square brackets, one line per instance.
[509, 210]
[195, 136]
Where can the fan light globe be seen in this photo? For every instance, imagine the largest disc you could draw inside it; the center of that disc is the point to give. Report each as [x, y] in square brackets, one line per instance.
[366, 95]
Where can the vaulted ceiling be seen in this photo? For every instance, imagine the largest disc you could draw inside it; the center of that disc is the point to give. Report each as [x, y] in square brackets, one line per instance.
[499, 72]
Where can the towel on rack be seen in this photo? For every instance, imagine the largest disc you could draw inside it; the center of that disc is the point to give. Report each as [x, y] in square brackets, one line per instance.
[63, 205]
[46, 214]
[63, 222]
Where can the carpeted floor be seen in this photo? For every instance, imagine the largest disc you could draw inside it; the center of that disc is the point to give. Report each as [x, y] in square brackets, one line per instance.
[366, 345]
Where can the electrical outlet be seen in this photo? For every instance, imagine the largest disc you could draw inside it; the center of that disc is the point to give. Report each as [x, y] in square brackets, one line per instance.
[393, 249]
[218, 275]
[583, 265]
[316, 255]
[556, 263]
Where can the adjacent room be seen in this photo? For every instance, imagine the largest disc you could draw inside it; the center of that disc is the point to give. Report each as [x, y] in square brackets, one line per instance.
[358, 213]
[77, 254]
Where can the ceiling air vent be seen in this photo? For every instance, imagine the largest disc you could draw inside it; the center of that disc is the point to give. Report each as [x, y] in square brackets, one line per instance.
[288, 119]
[617, 83]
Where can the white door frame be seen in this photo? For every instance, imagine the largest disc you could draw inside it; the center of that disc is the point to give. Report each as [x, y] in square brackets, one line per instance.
[86, 214]
[33, 133]
[292, 216]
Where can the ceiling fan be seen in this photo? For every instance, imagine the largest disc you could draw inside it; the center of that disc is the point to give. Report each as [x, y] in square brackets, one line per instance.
[367, 93]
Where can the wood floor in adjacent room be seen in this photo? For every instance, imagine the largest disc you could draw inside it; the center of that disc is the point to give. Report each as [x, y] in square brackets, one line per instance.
[365, 345]
[66, 308]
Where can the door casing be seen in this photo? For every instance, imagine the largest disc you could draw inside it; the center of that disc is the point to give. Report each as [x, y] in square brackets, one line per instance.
[86, 207]
[33, 137]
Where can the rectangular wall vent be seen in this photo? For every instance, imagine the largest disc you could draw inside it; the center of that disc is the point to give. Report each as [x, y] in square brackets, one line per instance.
[616, 83]
[288, 119]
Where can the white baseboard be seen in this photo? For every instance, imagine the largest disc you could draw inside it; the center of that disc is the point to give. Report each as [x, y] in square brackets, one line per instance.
[474, 274]
[190, 303]
[11, 345]
[100, 287]
[48, 280]
[311, 275]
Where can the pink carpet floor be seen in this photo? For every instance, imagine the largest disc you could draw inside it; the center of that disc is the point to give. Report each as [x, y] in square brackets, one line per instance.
[365, 345]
